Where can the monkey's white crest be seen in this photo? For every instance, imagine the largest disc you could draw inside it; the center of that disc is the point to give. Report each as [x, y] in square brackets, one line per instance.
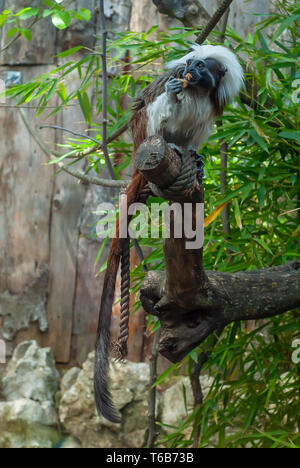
[232, 81]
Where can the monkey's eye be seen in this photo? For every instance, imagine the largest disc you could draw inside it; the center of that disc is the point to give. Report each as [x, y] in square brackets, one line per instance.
[200, 65]
[188, 62]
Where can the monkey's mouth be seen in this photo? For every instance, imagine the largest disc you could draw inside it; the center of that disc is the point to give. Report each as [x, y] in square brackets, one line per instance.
[188, 80]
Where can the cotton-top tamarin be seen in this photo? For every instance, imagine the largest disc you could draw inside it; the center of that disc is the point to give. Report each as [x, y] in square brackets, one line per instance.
[181, 106]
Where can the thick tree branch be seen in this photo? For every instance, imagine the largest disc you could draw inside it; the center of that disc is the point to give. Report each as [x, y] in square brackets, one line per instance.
[225, 298]
[189, 12]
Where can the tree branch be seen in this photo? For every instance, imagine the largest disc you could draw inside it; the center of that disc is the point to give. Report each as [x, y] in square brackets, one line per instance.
[225, 298]
[190, 13]
[213, 21]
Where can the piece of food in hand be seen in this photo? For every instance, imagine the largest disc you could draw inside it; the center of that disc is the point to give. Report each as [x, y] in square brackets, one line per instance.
[184, 82]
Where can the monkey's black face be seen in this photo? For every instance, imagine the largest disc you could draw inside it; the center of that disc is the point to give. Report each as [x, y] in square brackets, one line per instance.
[206, 73]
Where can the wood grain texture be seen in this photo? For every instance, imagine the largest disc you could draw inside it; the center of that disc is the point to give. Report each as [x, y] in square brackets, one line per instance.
[40, 51]
[67, 202]
[25, 207]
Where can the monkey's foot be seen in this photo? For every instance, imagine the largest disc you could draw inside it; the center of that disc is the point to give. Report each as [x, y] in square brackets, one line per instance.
[176, 148]
[200, 164]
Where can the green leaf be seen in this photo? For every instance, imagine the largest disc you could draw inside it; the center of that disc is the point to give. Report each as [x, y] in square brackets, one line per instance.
[26, 33]
[83, 15]
[61, 19]
[290, 135]
[284, 25]
[263, 244]
[68, 52]
[237, 213]
[152, 29]
[166, 373]
[85, 106]
[27, 13]
[47, 13]
[11, 32]
[259, 140]
[261, 195]
[263, 42]
[100, 251]
[194, 355]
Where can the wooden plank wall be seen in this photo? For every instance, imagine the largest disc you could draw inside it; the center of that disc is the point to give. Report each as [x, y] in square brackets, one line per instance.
[40, 215]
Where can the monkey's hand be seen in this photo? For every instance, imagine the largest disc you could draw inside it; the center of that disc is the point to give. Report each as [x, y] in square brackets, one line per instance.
[173, 87]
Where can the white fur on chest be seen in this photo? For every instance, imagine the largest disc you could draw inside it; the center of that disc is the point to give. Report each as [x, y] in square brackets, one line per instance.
[183, 119]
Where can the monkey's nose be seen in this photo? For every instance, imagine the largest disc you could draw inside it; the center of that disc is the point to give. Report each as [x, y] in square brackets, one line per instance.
[189, 76]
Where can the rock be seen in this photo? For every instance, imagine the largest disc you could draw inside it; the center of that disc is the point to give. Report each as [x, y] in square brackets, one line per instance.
[28, 424]
[69, 379]
[174, 407]
[31, 374]
[129, 385]
[28, 417]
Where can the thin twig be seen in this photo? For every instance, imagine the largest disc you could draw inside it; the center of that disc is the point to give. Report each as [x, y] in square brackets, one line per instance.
[196, 383]
[79, 175]
[104, 92]
[108, 183]
[213, 21]
[152, 435]
[224, 148]
[63, 129]
[223, 182]
[197, 391]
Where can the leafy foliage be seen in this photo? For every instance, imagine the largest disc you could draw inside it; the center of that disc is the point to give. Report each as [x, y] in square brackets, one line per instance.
[61, 17]
[254, 399]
